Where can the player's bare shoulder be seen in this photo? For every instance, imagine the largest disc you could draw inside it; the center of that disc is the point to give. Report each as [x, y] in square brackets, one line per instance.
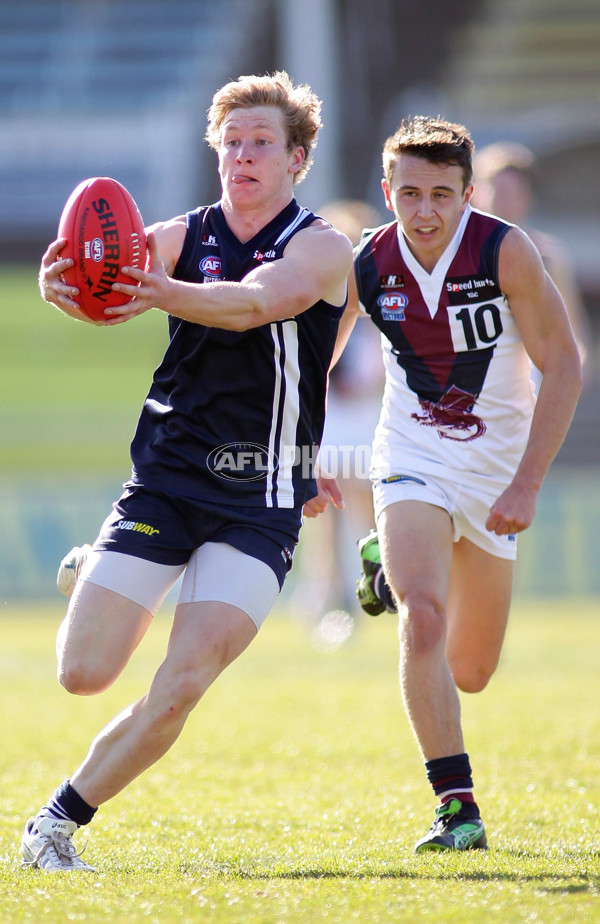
[327, 245]
[170, 236]
[331, 258]
[519, 261]
[322, 227]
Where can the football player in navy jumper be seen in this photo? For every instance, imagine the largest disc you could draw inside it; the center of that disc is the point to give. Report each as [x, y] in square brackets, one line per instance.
[254, 288]
[464, 306]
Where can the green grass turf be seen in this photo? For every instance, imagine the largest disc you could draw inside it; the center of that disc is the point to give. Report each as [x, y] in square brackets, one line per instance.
[295, 792]
[71, 392]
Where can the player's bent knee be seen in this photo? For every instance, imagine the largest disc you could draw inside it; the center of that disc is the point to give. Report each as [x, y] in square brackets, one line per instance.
[422, 626]
[471, 679]
[84, 680]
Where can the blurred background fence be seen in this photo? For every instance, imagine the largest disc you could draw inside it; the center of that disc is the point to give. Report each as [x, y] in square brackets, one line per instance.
[121, 88]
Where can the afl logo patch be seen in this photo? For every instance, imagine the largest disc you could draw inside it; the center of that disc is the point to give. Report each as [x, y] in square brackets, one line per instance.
[210, 266]
[95, 249]
[392, 305]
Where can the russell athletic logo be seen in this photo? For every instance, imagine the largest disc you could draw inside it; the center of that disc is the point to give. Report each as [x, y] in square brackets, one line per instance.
[242, 461]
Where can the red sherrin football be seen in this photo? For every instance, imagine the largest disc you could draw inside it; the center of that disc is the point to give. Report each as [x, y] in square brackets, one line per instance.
[104, 231]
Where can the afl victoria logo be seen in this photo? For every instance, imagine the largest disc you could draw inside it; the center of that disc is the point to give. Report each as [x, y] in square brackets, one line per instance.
[241, 461]
[392, 305]
[210, 266]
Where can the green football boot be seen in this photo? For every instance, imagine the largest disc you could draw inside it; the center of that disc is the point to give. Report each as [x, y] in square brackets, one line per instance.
[454, 828]
[371, 564]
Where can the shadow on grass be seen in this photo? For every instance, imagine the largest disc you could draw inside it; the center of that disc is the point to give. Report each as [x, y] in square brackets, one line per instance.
[588, 883]
[509, 866]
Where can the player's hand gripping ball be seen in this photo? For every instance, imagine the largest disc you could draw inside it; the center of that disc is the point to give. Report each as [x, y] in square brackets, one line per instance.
[104, 231]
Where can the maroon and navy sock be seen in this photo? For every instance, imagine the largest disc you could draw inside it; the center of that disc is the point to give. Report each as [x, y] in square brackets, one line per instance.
[450, 778]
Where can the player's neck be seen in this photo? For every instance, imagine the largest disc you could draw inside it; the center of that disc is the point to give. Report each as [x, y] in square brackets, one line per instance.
[245, 223]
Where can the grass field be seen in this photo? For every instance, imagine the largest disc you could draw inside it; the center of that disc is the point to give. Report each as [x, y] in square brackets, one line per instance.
[295, 792]
[71, 391]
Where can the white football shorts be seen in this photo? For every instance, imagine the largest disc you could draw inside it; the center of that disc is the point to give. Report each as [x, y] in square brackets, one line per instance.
[467, 507]
[216, 572]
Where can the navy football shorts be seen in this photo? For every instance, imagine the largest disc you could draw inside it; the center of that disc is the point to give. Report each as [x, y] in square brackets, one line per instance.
[167, 530]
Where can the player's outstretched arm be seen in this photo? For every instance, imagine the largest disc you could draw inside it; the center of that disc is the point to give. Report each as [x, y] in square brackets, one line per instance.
[315, 266]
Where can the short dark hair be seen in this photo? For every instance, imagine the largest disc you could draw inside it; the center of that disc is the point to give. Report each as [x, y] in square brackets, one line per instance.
[433, 139]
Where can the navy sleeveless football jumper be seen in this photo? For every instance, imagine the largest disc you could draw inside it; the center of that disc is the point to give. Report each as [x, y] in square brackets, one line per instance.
[232, 417]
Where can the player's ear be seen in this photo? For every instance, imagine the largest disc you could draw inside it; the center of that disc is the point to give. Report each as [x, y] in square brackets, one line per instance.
[467, 194]
[298, 158]
[387, 194]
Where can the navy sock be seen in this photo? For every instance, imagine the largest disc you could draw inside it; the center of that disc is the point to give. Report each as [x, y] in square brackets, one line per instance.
[450, 777]
[67, 803]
